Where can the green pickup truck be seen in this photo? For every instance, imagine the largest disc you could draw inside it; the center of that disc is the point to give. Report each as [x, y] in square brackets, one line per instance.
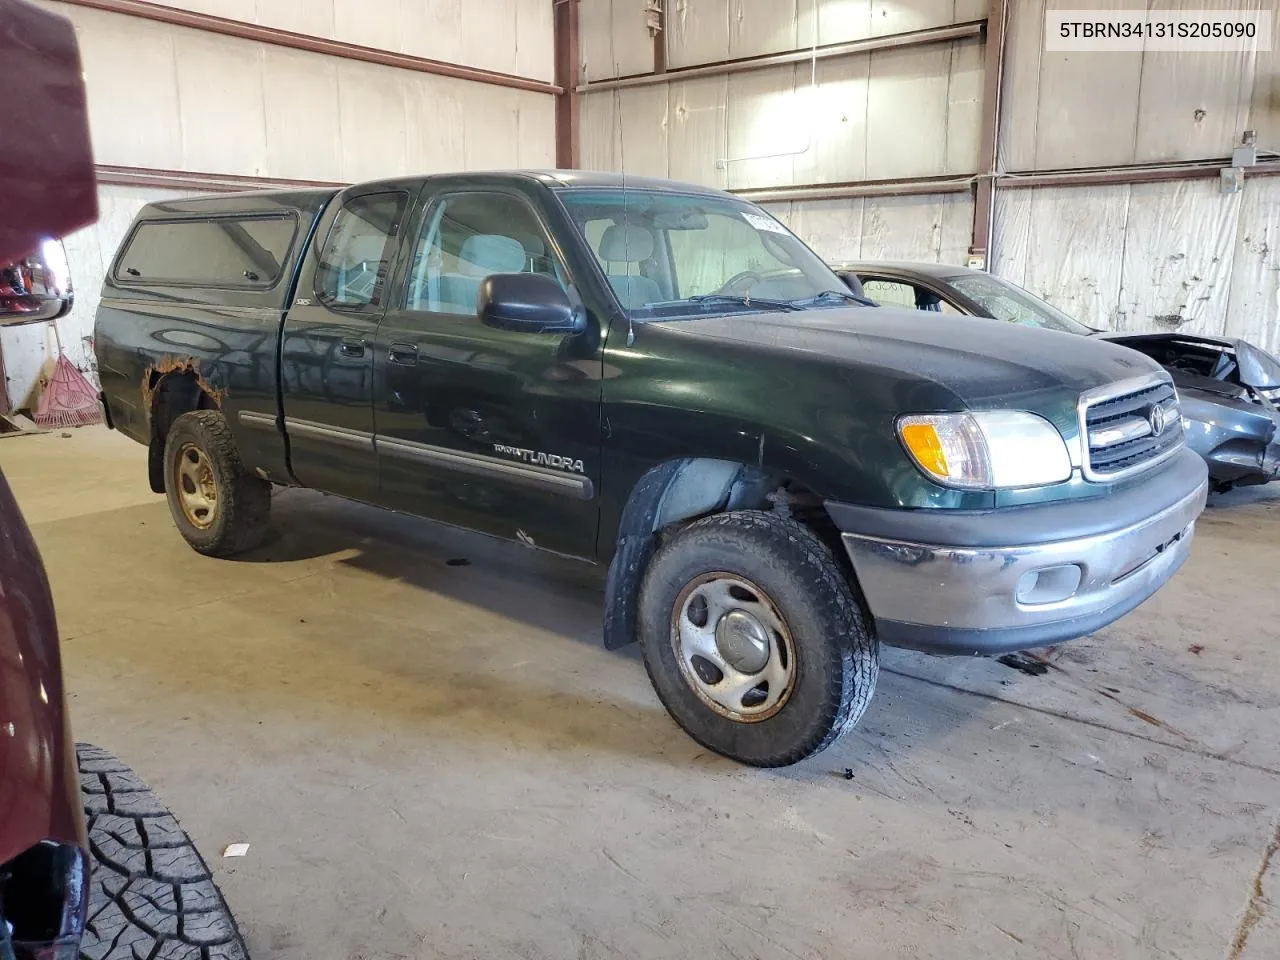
[661, 378]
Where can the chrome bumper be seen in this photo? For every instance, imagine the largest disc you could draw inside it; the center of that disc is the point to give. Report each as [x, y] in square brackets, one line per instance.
[980, 600]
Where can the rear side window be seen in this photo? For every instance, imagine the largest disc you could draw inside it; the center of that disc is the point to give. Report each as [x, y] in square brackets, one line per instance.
[211, 252]
[353, 266]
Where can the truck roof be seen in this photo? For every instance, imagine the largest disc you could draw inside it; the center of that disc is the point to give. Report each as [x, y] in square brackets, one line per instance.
[316, 197]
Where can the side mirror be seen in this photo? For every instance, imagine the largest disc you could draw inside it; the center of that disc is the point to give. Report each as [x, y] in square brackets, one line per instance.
[37, 287]
[527, 303]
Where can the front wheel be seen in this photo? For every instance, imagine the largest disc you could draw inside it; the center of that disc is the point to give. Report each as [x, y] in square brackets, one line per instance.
[218, 506]
[753, 639]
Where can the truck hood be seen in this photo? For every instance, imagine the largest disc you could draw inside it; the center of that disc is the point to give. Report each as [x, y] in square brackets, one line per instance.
[983, 364]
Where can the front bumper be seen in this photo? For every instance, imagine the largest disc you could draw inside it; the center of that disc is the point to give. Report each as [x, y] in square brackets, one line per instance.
[1014, 578]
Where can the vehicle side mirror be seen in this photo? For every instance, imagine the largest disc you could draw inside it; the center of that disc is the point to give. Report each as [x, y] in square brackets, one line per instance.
[527, 303]
[37, 287]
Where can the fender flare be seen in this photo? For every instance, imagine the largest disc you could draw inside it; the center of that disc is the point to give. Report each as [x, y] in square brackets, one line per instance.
[669, 492]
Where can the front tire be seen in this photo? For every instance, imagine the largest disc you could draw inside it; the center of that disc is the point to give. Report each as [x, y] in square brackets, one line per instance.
[217, 505]
[753, 639]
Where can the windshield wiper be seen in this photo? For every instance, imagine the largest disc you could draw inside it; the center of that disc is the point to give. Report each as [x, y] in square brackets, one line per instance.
[764, 303]
[832, 295]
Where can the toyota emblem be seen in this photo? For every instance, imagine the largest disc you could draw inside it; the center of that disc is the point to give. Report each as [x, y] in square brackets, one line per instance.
[1158, 420]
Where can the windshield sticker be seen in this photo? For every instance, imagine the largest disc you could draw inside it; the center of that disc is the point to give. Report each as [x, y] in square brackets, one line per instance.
[764, 223]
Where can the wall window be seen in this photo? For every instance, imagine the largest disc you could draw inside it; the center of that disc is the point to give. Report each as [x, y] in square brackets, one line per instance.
[357, 255]
[214, 252]
[470, 236]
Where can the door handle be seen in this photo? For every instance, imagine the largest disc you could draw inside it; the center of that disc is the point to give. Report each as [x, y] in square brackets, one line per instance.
[406, 353]
[352, 347]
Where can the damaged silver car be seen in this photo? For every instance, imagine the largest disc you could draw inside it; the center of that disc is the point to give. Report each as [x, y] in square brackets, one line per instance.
[1230, 389]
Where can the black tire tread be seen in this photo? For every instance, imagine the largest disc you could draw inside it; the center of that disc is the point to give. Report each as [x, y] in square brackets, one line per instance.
[244, 499]
[152, 896]
[855, 663]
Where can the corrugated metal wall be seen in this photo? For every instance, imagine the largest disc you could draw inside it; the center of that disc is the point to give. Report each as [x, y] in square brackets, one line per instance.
[175, 98]
[1148, 256]
[509, 36]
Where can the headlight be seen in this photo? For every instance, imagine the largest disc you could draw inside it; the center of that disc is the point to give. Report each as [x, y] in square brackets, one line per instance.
[986, 449]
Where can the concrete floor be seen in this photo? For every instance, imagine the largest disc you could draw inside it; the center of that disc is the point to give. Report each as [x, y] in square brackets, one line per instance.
[436, 761]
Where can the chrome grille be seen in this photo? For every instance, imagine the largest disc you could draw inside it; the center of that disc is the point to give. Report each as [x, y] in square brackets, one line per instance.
[1118, 427]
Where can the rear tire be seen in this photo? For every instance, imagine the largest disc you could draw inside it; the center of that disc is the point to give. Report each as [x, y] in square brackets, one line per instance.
[745, 595]
[218, 506]
[151, 893]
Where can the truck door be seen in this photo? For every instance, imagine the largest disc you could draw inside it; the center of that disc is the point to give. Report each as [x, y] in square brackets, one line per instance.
[488, 429]
[326, 346]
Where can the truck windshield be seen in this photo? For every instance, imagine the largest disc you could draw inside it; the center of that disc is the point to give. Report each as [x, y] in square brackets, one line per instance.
[672, 254]
[1007, 301]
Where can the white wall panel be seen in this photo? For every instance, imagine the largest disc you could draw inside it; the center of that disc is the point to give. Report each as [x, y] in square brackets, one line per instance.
[1177, 257]
[964, 107]
[932, 228]
[372, 23]
[489, 37]
[697, 31]
[902, 16]
[129, 71]
[302, 115]
[312, 17]
[697, 130]
[535, 39]
[1065, 244]
[1020, 96]
[839, 150]
[534, 148]
[371, 116]
[176, 98]
[766, 26]
[1264, 113]
[767, 118]
[777, 130]
[1253, 310]
[838, 20]
[614, 38]
[907, 112]
[511, 36]
[833, 228]
[1150, 257]
[434, 128]
[222, 102]
[1064, 109]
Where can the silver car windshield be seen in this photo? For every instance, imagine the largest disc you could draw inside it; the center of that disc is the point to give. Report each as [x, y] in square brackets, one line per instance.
[1007, 301]
[671, 254]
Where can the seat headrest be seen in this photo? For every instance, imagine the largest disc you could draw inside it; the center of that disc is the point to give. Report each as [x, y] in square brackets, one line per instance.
[487, 253]
[626, 244]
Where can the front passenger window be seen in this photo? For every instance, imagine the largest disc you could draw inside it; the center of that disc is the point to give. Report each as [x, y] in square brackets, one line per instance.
[470, 236]
[356, 257]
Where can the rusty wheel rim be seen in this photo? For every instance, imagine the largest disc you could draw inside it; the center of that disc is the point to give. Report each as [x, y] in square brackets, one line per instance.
[197, 486]
[733, 647]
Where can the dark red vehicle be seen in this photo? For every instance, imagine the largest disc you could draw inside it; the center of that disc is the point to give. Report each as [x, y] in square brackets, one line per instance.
[46, 190]
[92, 865]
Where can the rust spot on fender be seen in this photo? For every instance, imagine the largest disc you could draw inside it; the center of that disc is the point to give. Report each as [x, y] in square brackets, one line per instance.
[155, 373]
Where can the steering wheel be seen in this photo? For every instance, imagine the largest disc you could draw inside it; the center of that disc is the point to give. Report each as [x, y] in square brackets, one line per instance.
[728, 286]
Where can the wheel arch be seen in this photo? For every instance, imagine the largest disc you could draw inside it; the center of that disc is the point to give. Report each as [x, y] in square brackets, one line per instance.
[170, 396]
[680, 490]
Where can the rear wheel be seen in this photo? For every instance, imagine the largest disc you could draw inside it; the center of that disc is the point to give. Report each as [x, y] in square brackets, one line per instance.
[151, 894]
[219, 507]
[753, 639]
